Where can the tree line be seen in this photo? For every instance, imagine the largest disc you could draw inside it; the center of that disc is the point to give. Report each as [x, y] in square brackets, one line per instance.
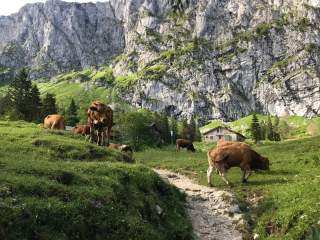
[23, 102]
[268, 130]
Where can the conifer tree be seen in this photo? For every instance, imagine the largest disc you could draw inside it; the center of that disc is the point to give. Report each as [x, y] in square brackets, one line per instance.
[197, 133]
[72, 114]
[35, 103]
[49, 105]
[270, 132]
[184, 133]
[192, 129]
[19, 95]
[255, 128]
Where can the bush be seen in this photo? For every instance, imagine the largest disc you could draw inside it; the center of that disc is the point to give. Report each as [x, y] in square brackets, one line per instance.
[263, 29]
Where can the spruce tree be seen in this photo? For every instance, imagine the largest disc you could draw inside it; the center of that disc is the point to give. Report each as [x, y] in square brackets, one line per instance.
[184, 133]
[72, 114]
[19, 95]
[270, 132]
[35, 103]
[165, 127]
[197, 133]
[192, 129]
[49, 105]
[255, 128]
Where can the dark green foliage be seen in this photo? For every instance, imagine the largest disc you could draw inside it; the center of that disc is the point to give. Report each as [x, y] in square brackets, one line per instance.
[23, 100]
[263, 130]
[162, 124]
[36, 104]
[263, 29]
[179, 5]
[192, 129]
[255, 128]
[49, 105]
[303, 24]
[184, 131]
[59, 197]
[272, 130]
[138, 129]
[197, 134]
[71, 116]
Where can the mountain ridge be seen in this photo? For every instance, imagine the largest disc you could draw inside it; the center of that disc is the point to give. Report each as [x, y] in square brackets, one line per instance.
[216, 59]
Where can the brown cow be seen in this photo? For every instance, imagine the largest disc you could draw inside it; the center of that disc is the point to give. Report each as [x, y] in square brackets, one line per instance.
[123, 148]
[100, 120]
[235, 155]
[54, 121]
[184, 143]
[221, 142]
[84, 130]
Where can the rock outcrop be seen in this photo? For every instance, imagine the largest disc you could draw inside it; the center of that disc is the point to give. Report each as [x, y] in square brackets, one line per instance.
[216, 59]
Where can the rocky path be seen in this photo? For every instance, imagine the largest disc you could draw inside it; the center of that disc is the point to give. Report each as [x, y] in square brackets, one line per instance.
[214, 213]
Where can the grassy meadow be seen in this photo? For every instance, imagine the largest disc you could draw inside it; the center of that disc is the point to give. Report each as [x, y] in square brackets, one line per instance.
[283, 203]
[54, 185]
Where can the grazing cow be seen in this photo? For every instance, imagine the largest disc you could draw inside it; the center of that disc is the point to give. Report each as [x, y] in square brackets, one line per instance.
[221, 142]
[100, 120]
[184, 143]
[54, 121]
[235, 155]
[123, 148]
[84, 130]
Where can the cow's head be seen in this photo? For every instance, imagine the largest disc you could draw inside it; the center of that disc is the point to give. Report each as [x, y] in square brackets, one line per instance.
[191, 148]
[264, 163]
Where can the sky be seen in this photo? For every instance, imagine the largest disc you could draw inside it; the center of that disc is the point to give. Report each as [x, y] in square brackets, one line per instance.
[8, 7]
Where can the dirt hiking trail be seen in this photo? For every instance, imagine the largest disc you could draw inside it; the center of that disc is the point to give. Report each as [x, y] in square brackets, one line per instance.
[214, 213]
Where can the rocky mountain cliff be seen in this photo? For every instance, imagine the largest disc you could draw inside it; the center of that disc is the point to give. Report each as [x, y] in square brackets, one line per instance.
[215, 58]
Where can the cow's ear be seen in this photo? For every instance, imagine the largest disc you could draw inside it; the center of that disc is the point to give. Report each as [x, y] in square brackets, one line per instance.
[93, 109]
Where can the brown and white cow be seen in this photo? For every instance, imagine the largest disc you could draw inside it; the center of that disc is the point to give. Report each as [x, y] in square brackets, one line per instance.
[100, 120]
[54, 121]
[184, 143]
[235, 155]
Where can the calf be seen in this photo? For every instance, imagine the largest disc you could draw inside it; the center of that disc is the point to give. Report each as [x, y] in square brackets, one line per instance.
[84, 130]
[184, 143]
[54, 121]
[123, 148]
[235, 155]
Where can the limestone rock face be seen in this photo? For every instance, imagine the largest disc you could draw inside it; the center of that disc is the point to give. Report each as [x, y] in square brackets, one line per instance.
[216, 58]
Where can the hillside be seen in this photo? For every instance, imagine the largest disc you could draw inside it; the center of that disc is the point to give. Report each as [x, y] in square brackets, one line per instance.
[54, 185]
[281, 204]
[213, 59]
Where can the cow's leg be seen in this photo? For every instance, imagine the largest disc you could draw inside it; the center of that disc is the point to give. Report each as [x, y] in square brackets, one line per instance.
[108, 135]
[246, 175]
[102, 138]
[178, 147]
[222, 173]
[91, 134]
[209, 173]
[98, 138]
[53, 126]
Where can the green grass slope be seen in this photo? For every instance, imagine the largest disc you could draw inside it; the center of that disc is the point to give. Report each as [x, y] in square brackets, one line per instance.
[54, 185]
[83, 96]
[289, 192]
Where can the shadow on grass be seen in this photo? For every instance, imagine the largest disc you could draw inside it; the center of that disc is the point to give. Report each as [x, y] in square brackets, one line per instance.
[264, 182]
